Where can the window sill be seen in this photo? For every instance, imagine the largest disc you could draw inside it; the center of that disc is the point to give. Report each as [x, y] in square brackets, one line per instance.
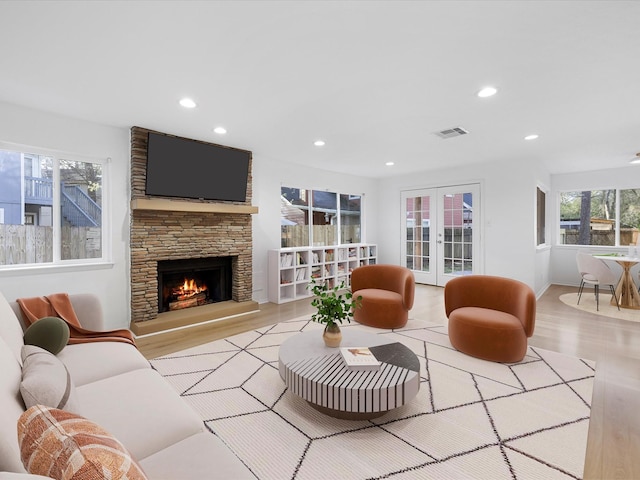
[21, 270]
[591, 247]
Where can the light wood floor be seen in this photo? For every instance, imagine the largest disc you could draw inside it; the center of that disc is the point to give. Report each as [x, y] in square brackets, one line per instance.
[613, 449]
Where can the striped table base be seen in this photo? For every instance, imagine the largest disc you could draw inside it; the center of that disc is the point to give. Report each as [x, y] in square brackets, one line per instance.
[318, 374]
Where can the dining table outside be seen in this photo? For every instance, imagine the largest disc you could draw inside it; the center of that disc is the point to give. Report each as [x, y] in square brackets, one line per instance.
[626, 290]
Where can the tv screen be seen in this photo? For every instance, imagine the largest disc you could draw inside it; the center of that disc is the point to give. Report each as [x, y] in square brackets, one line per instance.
[179, 167]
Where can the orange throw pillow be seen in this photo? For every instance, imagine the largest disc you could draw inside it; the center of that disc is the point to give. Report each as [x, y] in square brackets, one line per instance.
[62, 445]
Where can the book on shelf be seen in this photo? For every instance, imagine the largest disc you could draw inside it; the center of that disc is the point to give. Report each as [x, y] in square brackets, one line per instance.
[286, 260]
[359, 358]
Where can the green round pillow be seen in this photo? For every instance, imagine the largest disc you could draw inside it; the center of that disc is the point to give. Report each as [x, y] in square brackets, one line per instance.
[50, 333]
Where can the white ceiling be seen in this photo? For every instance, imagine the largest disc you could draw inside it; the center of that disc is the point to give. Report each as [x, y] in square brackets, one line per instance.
[375, 80]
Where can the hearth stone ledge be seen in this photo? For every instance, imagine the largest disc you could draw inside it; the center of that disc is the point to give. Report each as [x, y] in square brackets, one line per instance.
[194, 316]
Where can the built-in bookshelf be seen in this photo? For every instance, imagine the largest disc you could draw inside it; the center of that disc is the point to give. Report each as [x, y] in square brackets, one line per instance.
[291, 269]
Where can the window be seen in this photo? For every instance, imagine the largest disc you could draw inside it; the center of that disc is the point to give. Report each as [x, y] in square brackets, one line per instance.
[600, 217]
[541, 235]
[350, 208]
[52, 209]
[318, 217]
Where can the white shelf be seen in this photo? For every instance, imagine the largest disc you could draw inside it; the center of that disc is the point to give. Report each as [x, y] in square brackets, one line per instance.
[291, 269]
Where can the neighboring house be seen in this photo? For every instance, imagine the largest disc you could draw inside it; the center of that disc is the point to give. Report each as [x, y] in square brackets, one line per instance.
[26, 194]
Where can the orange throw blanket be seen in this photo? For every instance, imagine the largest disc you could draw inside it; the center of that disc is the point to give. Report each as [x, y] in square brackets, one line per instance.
[59, 305]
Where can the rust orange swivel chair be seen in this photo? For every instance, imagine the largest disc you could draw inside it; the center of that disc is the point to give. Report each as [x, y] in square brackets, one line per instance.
[387, 293]
[490, 317]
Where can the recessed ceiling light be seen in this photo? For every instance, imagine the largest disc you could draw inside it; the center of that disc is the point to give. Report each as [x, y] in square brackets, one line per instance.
[389, 164]
[319, 143]
[635, 161]
[487, 92]
[187, 103]
[220, 130]
[531, 137]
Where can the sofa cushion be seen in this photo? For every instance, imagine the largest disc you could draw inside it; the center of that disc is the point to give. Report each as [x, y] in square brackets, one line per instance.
[141, 409]
[90, 362]
[21, 476]
[10, 327]
[202, 455]
[63, 445]
[11, 407]
[50, 333]
[46, 381]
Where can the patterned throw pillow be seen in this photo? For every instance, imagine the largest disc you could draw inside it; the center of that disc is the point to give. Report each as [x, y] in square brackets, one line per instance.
[62, 445]
[46, 381]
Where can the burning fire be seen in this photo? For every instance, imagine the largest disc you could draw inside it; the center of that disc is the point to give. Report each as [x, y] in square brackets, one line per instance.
[188, 289]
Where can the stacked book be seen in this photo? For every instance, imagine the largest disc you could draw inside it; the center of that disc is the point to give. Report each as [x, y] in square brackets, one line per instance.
[286, 260]
[359, 358]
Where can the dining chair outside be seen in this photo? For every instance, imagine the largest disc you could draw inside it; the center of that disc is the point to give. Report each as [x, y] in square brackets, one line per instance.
[595, 272]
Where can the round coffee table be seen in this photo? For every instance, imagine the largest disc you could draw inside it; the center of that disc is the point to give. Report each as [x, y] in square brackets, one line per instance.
[318, 374]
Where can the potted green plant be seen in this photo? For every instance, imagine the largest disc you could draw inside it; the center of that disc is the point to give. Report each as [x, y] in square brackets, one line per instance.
[334, 305]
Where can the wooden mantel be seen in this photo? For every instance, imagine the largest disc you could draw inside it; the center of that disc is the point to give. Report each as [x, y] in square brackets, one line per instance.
[161, 204]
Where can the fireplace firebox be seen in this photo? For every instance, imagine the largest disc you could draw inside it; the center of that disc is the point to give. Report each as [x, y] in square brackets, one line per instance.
[193, 282]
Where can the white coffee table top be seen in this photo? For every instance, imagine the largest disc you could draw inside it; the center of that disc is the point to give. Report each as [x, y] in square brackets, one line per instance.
[318, 374]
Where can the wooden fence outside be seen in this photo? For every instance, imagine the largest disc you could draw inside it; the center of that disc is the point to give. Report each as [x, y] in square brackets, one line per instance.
[602, 237]
[298, 235]
[29, 244]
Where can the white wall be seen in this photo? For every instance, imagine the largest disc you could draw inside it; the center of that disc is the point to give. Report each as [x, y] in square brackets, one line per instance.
[111, 281]
[563, 257]
[507, 202]
[268, 177]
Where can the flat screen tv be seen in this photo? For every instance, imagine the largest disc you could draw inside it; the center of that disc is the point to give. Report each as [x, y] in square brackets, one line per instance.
[179, 167]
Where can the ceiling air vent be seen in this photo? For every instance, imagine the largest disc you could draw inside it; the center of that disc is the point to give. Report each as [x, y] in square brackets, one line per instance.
[452, 132]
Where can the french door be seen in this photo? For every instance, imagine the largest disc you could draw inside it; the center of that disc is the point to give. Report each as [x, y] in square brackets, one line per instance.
[441, 232]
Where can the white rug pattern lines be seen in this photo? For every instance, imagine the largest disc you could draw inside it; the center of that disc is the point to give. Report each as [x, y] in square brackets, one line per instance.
[470, 419]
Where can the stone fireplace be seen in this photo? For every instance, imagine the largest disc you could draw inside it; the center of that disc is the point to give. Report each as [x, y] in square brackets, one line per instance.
[166, 231]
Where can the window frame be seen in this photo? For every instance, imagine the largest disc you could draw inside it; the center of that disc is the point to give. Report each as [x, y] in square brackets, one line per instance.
[105, 260]
[541, 217]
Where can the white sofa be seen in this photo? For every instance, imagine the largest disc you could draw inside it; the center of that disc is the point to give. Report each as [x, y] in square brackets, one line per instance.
[117, 389]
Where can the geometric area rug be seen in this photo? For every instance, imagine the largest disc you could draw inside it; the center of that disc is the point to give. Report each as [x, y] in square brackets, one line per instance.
[471, 418]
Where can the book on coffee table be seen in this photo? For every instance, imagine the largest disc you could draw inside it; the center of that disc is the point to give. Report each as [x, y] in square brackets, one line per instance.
[359, 358]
